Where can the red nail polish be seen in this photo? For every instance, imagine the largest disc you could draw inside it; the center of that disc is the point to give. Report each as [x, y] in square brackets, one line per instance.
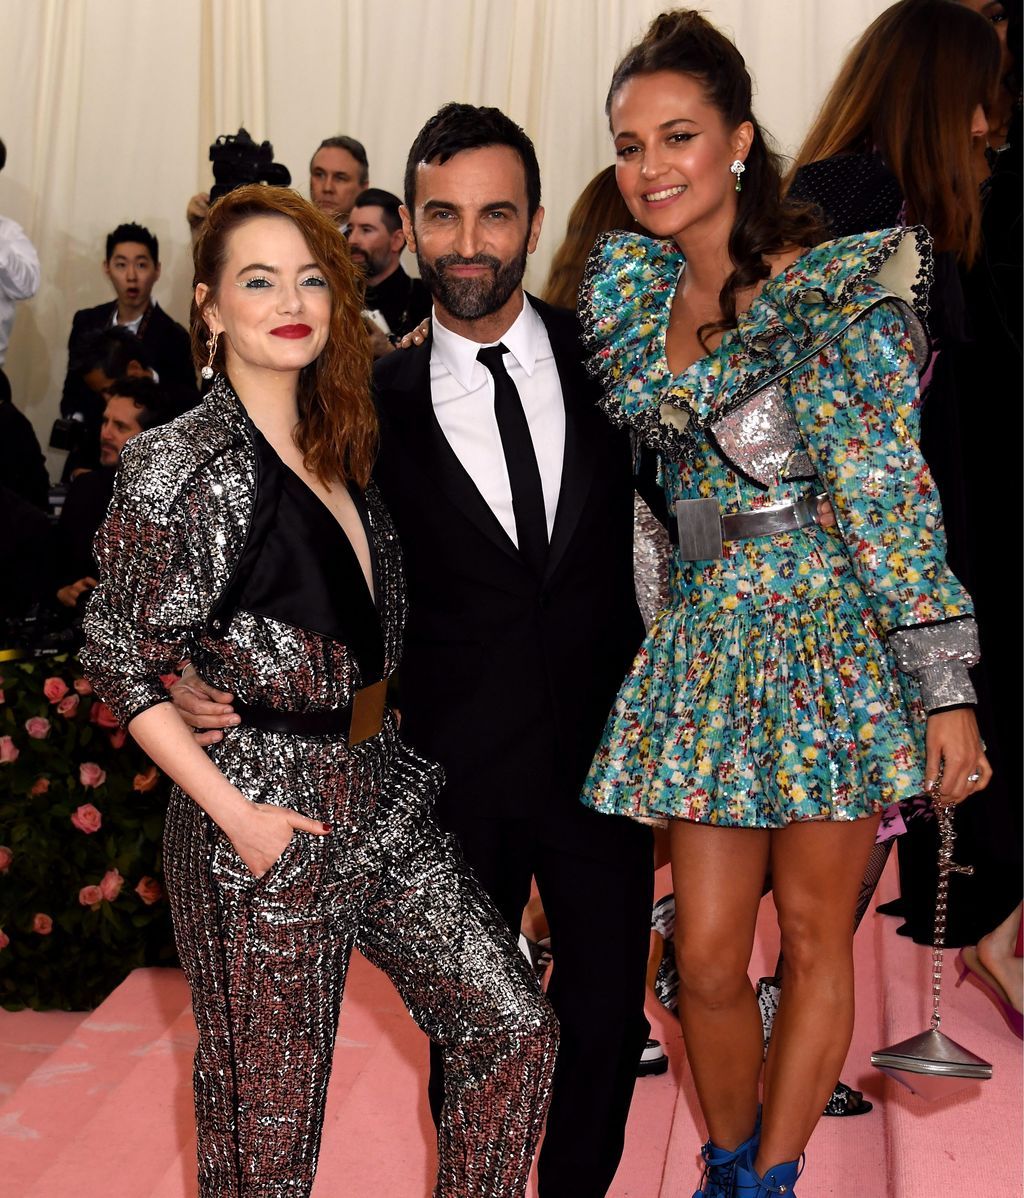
[326, 827]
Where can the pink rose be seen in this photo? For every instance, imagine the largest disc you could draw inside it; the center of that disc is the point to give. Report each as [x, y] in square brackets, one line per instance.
[102, 715]
[40, 786]
[55, 689]
[9, 751]
[83, 686]
[68, 705]
[87, 819]
[149, 890]
[4, 939]
[38, 727]
[146, 781]
[42, 924]
[111, 885]
[90, 896]
[6, 857]
[90, 774]
[117, 738]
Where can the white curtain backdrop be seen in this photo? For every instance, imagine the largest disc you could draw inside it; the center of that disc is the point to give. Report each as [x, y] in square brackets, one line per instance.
[108, 108]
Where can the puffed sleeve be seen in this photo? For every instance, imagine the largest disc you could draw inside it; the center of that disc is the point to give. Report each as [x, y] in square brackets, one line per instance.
[857, 408]
[157, 578]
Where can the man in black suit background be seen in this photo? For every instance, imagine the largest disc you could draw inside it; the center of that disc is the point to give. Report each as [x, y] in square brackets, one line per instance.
[132, 264]
[512, 497]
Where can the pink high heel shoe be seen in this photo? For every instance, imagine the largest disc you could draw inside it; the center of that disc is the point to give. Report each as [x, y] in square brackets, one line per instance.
[970, 963]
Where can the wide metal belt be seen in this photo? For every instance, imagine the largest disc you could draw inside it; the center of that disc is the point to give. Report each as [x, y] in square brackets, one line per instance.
[701, 529]
[356, 721]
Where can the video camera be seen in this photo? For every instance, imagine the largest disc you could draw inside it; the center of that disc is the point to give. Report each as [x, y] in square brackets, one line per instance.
[237, 160]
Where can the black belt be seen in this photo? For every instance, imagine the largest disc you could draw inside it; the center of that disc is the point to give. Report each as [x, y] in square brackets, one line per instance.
[356, 721]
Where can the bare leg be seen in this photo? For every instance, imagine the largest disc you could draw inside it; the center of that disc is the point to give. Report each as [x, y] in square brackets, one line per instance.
[997, 952]
[817, 870]
[717, 877]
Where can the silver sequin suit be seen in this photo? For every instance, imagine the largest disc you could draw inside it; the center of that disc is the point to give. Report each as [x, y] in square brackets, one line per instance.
[266, 958]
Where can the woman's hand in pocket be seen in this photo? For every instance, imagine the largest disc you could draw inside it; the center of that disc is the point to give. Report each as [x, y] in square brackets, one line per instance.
[261, 832]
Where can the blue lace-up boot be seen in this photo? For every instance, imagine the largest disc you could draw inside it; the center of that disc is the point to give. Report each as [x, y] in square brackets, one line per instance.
[720, 1165]
[779, 1179]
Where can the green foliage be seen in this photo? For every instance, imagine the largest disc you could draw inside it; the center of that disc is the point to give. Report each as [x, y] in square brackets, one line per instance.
[85, 768]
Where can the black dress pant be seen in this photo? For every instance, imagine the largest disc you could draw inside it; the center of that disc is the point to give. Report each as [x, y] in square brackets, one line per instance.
[596, 880]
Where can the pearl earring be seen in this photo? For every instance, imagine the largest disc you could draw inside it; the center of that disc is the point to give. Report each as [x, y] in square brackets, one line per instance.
[737, 168]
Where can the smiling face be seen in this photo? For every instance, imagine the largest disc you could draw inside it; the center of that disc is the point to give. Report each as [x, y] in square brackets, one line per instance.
[335, 179]
[471, 232]
[673, 153]
[272, 301]
[133, 272]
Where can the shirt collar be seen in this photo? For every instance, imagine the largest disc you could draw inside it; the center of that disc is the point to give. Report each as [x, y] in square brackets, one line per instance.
[458, 354]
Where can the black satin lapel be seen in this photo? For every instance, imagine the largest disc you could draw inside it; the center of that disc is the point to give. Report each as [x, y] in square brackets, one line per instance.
[427, 446]
[578, 460]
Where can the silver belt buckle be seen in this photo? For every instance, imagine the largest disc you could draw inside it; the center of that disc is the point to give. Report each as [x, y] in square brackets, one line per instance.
[700, 529]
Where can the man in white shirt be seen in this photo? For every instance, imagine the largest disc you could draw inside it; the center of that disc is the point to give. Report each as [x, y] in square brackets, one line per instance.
[19, 278]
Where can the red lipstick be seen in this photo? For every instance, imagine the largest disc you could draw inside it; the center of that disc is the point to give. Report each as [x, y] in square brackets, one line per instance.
[294, 332]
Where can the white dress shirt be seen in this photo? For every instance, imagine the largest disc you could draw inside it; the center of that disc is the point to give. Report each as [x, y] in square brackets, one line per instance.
[19, 275]
[462, 393]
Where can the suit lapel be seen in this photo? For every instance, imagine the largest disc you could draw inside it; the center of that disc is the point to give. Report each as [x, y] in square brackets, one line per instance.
[578, 459]
[414, 423]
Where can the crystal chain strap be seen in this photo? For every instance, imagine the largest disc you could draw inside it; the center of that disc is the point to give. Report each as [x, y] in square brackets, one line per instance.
[947, 866]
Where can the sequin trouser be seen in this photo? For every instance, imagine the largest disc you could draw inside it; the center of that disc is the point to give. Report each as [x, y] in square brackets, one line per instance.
[266, 960]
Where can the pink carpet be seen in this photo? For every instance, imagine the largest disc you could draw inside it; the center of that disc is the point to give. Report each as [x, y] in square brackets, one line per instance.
[99, 1105]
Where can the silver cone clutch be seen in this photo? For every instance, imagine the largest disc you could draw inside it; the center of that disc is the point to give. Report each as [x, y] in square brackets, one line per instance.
[930, 1063]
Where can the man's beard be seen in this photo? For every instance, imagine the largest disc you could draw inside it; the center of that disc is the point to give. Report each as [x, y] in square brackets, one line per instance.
[371, 265]
[472, 299]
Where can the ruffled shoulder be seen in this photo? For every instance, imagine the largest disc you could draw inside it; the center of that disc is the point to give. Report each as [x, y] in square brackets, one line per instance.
[833, 284]
[624, 304]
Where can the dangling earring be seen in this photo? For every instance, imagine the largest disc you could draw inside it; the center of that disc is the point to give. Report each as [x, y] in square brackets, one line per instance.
[211, 345]
[737, 168]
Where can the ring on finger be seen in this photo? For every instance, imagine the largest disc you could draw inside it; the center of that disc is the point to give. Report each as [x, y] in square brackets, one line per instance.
[975, 777]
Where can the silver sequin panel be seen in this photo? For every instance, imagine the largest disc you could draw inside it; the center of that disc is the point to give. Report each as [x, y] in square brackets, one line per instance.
[938, 656]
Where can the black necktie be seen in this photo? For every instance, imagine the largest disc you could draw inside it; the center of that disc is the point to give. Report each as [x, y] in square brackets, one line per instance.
[523, 472]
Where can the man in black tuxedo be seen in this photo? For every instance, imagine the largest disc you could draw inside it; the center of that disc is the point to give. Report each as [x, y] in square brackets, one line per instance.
[523, 617]
[132, 265]
[513, 500]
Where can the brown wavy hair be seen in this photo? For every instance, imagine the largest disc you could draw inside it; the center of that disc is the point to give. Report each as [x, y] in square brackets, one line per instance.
[766, 223]
[600, 208]
[337, 429]
[907, 91]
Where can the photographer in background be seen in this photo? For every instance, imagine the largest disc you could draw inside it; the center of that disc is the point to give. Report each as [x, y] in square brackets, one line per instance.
[338, 172]
[133, 404]
[132, 264]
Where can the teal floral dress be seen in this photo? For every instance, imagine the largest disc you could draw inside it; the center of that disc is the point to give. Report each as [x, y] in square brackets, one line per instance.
[787, 679]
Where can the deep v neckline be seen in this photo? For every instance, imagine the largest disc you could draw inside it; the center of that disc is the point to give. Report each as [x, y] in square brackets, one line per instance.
[314, 504]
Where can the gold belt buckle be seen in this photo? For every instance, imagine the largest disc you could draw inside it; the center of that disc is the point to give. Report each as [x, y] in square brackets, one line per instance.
[367, 712]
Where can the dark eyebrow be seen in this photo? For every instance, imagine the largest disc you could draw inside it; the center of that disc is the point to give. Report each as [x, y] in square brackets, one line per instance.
[451, 206]
[679, 120]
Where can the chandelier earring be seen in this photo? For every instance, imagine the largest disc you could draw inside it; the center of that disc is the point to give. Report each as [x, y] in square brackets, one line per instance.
[737, 168]
[211, 345]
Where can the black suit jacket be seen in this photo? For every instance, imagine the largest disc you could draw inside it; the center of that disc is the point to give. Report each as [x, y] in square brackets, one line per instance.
[507, 678]
[170, 354]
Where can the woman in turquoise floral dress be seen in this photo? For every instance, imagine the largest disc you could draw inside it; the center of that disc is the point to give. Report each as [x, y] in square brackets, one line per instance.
[801, 679]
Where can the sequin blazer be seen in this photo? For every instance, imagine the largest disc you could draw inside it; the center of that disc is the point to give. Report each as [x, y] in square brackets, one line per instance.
[816, 387]
[213, 550]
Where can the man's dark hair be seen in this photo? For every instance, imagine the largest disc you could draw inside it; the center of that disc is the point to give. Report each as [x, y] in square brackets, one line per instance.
[457, 127]
[148, 396]
[109, 350]
[3, 155]
[355, 148]
[133, 232]
[386, 201]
